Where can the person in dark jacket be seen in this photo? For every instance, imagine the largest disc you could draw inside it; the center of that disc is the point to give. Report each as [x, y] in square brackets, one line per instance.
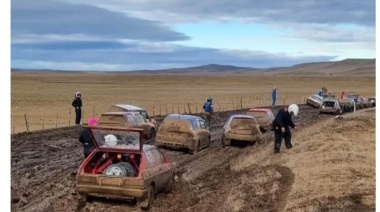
[208, 109]
[274, 96]
[281, 126]
[85, 138]
[77, 104]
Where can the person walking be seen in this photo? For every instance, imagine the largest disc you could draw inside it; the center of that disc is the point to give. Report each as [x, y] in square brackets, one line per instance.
[274, 96]
[281, 126]
[77, 104]
[85, 138]
[208, 110]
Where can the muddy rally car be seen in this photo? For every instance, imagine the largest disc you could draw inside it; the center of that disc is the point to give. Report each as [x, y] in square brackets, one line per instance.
[372, 101]
[263, 116]
[347, 105]
[132, 108]
[314, 101]
[183, 131]
[330, 105]
[121, 167]
[241, 128]
[128, 120]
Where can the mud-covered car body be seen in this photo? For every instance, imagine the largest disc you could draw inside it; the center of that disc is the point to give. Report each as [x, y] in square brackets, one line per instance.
[241, 128]
[263, 116]
[355, 97]
[121, 166]
[372, 101]
[364, 102]
[128, 120]
[330, 105]
[132, 108]
[347, 105]
[314, 101]
[183, 131]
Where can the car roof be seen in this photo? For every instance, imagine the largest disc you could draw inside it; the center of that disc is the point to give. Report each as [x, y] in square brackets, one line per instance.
[241, 116]
[121, 113]
[260, 110]
[185, 117]
[128, 107]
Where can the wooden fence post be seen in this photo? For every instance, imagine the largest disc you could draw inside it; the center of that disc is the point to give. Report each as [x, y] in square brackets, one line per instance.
[13, 124]
[56, 118]
[178, 109]
[43, 119]
[26, 122]
[196, 108]
[153, 109]
[188, 105]
[81, 120]
[160, 108]
[94, 111]
[172, 107]
[166, 105]
[69, 116]
[146, 105]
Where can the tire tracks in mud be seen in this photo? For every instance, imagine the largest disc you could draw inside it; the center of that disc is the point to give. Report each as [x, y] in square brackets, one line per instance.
[199, 174]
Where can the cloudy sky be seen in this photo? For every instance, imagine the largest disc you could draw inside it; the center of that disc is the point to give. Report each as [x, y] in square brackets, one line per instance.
[155, 34]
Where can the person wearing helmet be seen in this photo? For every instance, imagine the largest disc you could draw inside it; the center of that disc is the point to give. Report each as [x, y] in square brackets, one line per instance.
[208, 110]
[85, 138]
[281, 126]
[77, 104]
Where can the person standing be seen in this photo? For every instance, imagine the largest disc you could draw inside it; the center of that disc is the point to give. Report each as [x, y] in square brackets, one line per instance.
[85, 138]
[274, 96]
[208, 109]
[77, 104]
[281, 126]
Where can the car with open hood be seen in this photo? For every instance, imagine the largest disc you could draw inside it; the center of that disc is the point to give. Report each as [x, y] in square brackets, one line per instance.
[314, 100]
[347, 105]
[128, 120]
[263, 116]
[183, 131]
[122, 167]
[132, 108]
[241, 128]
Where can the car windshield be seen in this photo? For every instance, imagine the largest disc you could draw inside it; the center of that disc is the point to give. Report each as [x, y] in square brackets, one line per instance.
[116, 139]
[259, 115]
[318, 98]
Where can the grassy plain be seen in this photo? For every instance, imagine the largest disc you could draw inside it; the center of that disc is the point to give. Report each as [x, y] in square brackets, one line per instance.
[49, 95]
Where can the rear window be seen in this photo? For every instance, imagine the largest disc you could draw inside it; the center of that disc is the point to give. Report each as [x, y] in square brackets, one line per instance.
[242, 121]
[116, 139]
[111, 118]
[176, 125]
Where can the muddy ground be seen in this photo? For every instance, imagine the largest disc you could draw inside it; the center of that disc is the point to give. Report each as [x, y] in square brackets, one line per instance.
[44, 164]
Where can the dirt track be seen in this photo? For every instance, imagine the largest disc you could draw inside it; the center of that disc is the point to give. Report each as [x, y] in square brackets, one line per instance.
[44, 164]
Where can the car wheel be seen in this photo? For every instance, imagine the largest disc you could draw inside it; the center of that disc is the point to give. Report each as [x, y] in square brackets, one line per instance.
[120, 169]
[223, 141]
[152, 133]
[170, 186]
[196, 148]
[147, 203]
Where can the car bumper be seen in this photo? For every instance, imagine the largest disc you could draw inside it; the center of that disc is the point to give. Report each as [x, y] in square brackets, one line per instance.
[112, 191]
[241, 137]
[180, 143]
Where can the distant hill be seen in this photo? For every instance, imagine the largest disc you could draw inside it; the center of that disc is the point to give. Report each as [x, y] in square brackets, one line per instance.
[362, 67]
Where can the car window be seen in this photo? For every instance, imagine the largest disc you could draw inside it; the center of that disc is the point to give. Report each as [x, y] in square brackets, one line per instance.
[130, 118]
[139, 118]
[159, 159]
[195, 124]
[144, 114]
[202, 124]
[151, 159]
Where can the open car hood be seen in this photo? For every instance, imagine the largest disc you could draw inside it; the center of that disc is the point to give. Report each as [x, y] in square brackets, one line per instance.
[117, 138]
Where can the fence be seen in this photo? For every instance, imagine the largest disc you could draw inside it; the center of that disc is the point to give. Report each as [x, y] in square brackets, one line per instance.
[65, 116]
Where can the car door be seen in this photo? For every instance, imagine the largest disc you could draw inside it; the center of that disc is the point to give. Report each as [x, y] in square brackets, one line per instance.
[142, 123]
[157, 168]
[203, 133]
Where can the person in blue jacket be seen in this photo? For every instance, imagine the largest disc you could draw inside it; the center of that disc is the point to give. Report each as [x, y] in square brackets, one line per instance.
[208, 109]
[274, 96]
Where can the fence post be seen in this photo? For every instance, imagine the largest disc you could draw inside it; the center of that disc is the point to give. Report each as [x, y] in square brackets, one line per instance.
[178, 109]
[56, 118]
[160, 108]
[188, 105]
[13, 124]
[81, 120]
[184, 107]
[94, 111]
[196, 108]
[153, 109]
[26, 122]
[69, 115]
[166, 104]
[241, 103]
[43, 119]
[172, 107]
[146, 105]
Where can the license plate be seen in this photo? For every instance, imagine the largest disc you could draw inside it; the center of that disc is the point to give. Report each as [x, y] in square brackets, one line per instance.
[110, 181]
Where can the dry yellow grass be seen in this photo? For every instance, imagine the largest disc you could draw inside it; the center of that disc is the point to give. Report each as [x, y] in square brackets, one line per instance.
[50, 95]
[333, 163]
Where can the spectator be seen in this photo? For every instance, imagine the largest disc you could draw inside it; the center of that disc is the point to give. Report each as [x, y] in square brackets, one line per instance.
[208, 109]
[85, 138]
[77, 104]
[274, 96]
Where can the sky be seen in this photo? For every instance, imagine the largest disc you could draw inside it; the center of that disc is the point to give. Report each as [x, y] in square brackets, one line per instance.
[123, 35]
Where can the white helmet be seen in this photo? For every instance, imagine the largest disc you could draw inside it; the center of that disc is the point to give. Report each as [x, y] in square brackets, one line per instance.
[293, 108]
[110, 140]
[77, 94]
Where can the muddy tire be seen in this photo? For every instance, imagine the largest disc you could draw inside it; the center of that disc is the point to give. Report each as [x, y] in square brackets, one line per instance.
[131, 171]
[152, 133]
[170, 186]
[147, 203]
[197, 148]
